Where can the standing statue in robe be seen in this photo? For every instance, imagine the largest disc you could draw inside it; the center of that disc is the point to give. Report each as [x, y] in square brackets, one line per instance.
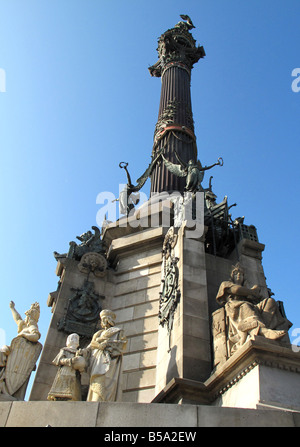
[105, 354]
[67, 382]
[18, 360]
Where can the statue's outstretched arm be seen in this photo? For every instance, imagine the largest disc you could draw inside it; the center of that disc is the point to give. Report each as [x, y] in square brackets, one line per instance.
[123, 165]
[16, 316]
[218, 163]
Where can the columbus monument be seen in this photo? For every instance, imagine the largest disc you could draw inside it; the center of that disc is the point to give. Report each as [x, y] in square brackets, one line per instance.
[189, 332]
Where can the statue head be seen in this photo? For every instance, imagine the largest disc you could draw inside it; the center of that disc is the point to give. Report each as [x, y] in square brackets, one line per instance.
[238, 274]
[107, 318]
[73, 341]
[34, 312]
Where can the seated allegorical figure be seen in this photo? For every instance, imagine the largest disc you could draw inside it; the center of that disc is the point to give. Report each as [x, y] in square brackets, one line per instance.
[248, 313]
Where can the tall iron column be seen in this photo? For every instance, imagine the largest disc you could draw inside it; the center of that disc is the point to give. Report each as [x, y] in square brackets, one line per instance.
[174, 130]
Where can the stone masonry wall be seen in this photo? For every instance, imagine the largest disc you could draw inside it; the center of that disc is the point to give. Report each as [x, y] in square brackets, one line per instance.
[136, 300]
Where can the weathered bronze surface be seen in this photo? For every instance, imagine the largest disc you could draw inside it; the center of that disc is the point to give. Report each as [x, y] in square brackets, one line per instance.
[193, 171]
[82, 312]
[170, 292]
[129, 197]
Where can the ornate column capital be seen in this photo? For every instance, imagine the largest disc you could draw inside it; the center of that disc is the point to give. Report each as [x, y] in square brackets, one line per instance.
[177, 45]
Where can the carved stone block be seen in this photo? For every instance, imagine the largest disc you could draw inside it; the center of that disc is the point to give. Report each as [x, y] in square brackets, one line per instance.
[219, 336]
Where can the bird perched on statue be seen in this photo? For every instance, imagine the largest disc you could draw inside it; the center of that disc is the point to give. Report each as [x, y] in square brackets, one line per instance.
[188, 21]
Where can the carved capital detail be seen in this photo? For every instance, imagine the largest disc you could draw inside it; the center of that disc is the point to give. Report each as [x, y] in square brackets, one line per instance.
[177, 45]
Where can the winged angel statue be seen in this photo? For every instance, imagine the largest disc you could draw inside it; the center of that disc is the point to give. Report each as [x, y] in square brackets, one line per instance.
[193, 171]
[129, 196]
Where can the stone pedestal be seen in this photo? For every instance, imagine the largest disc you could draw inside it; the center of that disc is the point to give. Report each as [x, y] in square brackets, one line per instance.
[147, 417]
[262, 374]
[185, 351]
[175, 365]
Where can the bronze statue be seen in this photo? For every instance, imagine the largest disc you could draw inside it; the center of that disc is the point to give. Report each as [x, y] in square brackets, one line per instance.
[193, 171]
[129, 196]
[90, 242]
[189, 24]
[177, 44]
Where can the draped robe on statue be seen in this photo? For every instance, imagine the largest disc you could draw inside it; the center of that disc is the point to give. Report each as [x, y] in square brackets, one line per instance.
[105, 365]
[66, 385]
[247, 316]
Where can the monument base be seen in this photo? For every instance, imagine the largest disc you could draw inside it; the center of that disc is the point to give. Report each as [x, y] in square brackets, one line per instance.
[106, 414]
[261, 374]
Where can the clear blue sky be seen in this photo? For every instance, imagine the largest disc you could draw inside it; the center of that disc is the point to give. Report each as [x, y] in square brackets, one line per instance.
[79, 99]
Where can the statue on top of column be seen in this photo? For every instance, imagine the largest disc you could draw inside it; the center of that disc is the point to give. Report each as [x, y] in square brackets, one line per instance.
[177, 45]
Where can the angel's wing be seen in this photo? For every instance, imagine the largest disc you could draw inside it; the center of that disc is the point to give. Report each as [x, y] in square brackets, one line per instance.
[199, 165]
[175, 169]
[97, 231]
[200, 176]
[183, 164]
[143, 178]
[200, 172]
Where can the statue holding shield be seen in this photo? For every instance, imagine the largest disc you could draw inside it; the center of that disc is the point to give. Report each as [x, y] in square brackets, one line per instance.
[18, 360]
